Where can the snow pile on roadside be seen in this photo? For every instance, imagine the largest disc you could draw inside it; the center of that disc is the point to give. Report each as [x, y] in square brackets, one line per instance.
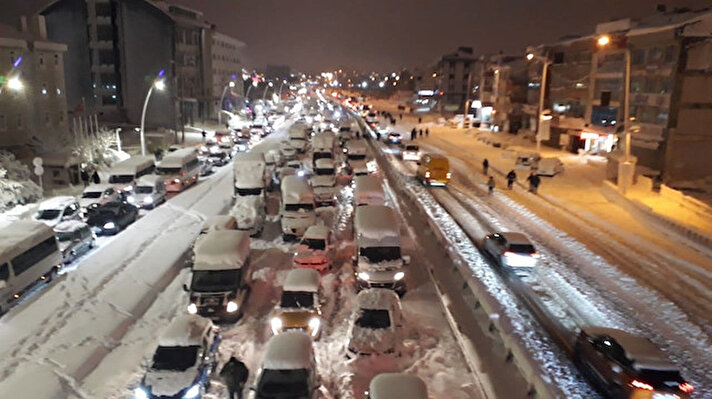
[16, 185]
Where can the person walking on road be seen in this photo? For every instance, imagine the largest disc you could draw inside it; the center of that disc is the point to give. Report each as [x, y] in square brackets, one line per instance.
[485, 166]
[413, 134]
[427, 132]
[85, 177]
[400, 117]
[534, 181]
[490, 184]
[511, 178]
[420, 120]
[421, 133]
[95, 177]
[204, 134]
[234, 374]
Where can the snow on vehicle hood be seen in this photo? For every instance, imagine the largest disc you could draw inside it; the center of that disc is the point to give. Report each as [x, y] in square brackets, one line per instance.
[370, 340]
[247, 207]
[170, 383]
[323, 181]
[63, 245]
[306, 255]
[386, 265]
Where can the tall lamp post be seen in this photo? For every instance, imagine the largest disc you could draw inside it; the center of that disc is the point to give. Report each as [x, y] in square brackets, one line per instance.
[267, 86]
[159, 84]
[280, 89]
[626, 169]
[230, 85]
[542, 91]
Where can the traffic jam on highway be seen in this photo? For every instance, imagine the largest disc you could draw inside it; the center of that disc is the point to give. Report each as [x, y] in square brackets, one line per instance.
[319, 248]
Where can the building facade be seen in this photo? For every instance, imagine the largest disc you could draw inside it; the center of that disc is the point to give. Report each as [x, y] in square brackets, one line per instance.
[455, 79]
[225, 66]
[33, 105]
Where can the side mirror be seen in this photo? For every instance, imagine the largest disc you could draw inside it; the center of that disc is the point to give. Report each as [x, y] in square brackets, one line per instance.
[406, 259]
[185, 288]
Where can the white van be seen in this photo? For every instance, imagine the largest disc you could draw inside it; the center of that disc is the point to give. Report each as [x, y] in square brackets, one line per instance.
[356, 157]
[397, 386]
[29, 254]
[324, 182]
[288, 368]
[123, 174]
[378, 262]
[58, 209]
[250, 176]
[298, 137]
[219, 285]
[150, 191]
[368, 190]
[297, 207]
[323, 146]
[550, 167]
[99, 194]
[179, 169]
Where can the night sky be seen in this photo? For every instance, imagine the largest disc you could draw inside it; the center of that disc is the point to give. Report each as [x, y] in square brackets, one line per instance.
[315, 35]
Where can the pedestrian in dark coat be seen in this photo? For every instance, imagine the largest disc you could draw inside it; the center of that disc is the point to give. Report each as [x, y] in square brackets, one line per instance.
[85, 177]
[95, 178]
[534, 181]
[511, 178]
[234, 374]
[204, 134]
[485, 166]
[427, 132]
[490, 184]
[420, 131]
[420, 120]
[413, 134]
[400, 117]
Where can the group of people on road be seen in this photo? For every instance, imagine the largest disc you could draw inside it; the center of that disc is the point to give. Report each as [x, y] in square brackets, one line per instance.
[415, 132]
[89, 175]
[533, 179]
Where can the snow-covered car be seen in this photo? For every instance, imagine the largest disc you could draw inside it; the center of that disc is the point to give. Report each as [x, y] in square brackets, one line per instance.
[396, 386]
[150, 192]
[324, 182]
[249, 211]
[74, 238]
[315, 250]
[393, 138]
[511, 249]
[356, 158]
[411, 152]
[625, 365]
[297, 207]
[219, 157]
[205, 166]
[376, 323]
[300, 306]
[111, 218]
[549, 167]
[216, 223]
[58, 209]
[288, 369]
[368, 190]
[183, 362]
[287, 151]
[98, 194]
[284, 172]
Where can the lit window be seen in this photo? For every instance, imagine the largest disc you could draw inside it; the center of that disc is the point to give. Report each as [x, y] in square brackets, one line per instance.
[44, 89]
[59, 91]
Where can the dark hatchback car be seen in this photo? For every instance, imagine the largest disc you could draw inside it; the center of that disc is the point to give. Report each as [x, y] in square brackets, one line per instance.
[111, 218]
[623, 365]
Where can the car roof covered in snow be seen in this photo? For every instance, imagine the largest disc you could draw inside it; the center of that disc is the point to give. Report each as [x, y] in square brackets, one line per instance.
[219, 222]
[178, 158]
[20, 236]
[368, 183]
[222, 250]
[132, 165]
[101, 187]
[638, 349]
[296, 190]
[377, 298]
[397, 386]
[149, 180]
[303, 280]
[324, 163]
[515, 238]
[250, 156]
[291, 350]
[185, 330]
[354, 145]
[69, 226]
[57, 202]
[376, 222]
[317, 231]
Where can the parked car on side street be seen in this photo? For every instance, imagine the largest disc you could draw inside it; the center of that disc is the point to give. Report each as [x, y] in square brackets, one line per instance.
[58, 209]
[111, 218]
[75, 238]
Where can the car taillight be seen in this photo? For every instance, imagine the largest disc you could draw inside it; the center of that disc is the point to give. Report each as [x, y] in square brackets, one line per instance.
[427, 175]
[182, 173]
[641, 385]
[686, 387]
[508, 253]
[448, 175]
[535, 255]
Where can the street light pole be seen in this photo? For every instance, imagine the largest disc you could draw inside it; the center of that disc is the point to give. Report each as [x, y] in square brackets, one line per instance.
[280, 89]
[267, 86]
[230, 85]
[160, 85]
[542, 92]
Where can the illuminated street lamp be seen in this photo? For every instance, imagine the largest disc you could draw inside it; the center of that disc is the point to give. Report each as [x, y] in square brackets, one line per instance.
[604, 40]
[15, 84]
[160, 85]
[230, 85]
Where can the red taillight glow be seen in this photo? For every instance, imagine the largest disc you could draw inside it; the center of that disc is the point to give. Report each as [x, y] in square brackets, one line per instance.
[686, 387]
[641, 385]
[182, 173]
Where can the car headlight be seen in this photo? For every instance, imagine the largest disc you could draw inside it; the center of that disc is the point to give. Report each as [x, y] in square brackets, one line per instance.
[363, 276]
[193, 392]
[276, 323]
[140, 393]
[231, 307]
[314, 324]
[192, 308]
[176, 180]
[131, 199]
[300, 173]
[109, 225]
[148, 200]
[398, 276]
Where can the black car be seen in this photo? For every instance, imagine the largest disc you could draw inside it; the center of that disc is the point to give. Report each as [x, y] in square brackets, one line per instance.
[112, 217]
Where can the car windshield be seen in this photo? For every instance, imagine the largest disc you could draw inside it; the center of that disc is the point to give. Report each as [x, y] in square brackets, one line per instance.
[297, 207]
[373, 318]
[175, 358]
[325, 171]
[91, 194]
[168, 171]
[314, 243]
[220, 155]
[381, 254]
[48, 214]
[144, 190]
[294, 299]
[66, 236]
[242, 192]
[120, 179]
[661, 378]
[283, 384]
[356, 156]
[411, 148]
[522, 248]
[322, 155]
[215, 280]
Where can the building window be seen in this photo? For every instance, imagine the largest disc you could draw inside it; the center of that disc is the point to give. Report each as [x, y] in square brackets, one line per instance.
[59, 92]
[44, 89]
[636, 84]
[3, 123]
[655, 54]
[665, 85]
[42, 64]
[48, 121]
[559, 58]
[61, 117]
[19, 121]
[669, 54]
[638, 57]
[56, 59]
[109, 100]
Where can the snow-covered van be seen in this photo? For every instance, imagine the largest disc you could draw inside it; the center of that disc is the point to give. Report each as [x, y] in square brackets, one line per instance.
[249, 212]
[250, 176]
[124, 173]
[98, 194]
[150, 191]
[183, 362]
[315, 250]
[300, 306]
[288, 368]
[323, 146]
[376, 323]
[356, 157]
[324, 181]
[298, 137]
[297, 206]
[345, 132]
[28, 255]
[179, 169]
[58, 209]
[219, 285]
[378, 261]
[368, 191]
[217, 223]
[397, 386]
